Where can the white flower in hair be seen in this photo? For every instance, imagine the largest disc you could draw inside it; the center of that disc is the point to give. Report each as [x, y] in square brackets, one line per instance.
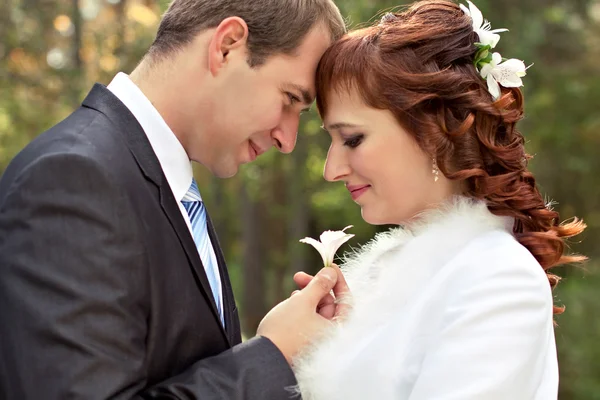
[482, 28]
[491, 66]
[507, 73]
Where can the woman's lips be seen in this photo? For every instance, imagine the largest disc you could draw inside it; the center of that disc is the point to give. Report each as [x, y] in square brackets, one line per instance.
[357, 190]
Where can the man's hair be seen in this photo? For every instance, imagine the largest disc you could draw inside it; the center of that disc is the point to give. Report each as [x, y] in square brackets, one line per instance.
[275, 26]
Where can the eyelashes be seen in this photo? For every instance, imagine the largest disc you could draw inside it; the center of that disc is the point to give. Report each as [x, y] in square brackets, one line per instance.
[293, 99]
[354, 141]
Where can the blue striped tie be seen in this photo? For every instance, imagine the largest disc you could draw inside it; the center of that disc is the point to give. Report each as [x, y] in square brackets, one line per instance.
[197, 212]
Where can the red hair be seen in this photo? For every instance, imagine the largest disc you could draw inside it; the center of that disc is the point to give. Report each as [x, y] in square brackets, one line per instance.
[419, 65]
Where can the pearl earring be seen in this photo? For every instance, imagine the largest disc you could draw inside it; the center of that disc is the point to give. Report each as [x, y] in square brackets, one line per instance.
[435, 171]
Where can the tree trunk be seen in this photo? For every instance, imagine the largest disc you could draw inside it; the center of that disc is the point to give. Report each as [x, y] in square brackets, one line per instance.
[298, 213]
[278, 244]
[76, 83]
[253, 263]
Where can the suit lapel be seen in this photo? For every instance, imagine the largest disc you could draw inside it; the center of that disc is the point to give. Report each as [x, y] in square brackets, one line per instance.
[104, 101]
[171, 209]
[232, 322]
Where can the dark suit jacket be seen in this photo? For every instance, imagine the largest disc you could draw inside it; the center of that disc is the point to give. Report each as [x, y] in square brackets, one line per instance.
[102, 292]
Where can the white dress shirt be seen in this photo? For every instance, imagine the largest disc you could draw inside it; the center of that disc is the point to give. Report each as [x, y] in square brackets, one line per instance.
[171, 155]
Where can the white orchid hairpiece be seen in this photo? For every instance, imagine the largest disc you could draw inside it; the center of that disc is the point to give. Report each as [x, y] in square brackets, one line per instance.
[507, 73]
[490, 65]
[329, 242]
[482, 27]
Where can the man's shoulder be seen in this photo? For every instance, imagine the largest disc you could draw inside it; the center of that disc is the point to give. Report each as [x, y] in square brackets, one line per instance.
[85, 132]
[84, 140]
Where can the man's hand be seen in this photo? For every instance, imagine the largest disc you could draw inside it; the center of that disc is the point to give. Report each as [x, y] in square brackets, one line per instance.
[327, 307]
[294, 322]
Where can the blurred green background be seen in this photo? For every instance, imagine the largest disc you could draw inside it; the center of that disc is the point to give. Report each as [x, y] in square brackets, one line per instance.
[52, 51]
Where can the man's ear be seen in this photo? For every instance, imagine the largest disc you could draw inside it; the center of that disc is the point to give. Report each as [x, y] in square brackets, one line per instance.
[230, 36]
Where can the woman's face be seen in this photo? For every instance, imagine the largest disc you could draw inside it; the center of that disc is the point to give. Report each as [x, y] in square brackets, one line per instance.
[384, 169]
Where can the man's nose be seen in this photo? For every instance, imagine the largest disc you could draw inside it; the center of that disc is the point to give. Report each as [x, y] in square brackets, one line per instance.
[285, 135]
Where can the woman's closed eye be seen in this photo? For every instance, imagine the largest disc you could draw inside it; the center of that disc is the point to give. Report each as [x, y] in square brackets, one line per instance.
[354, 141]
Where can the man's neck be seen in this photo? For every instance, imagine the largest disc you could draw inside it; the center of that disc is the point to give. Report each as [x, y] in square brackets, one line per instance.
[160, 86]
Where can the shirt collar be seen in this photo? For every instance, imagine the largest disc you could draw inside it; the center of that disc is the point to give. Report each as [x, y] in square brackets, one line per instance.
[171, 155]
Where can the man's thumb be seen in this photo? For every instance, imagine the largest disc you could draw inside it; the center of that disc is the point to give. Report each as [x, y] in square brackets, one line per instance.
[321, 285]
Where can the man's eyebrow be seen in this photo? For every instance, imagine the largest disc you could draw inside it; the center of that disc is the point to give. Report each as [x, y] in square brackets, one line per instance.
[307, 97]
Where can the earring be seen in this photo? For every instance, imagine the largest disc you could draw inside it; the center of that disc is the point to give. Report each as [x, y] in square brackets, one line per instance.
[435, 171]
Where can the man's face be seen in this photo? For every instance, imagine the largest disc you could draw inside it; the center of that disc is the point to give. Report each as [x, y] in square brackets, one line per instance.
[256, 108]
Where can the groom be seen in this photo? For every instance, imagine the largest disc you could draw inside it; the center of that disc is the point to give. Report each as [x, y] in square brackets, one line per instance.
[112, 281]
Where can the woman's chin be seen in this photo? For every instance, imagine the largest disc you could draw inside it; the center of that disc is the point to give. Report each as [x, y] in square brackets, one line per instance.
[374, 218]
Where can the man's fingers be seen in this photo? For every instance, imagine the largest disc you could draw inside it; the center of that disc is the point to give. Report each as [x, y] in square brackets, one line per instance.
[302, 279]
[320, 285]
[326, 308]
[341, 292]
[340, 288]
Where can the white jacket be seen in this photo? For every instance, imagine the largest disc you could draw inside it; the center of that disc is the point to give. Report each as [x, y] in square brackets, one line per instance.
[450, 308]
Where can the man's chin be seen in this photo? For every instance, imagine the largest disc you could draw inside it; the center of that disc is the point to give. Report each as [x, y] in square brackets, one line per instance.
[223, 172]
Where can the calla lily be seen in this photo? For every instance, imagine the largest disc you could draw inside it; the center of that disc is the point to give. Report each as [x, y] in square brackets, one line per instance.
[507, 73]
[329, 243]
[487, 36]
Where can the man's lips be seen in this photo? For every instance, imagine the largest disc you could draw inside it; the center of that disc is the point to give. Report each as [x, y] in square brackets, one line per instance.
[255, 150]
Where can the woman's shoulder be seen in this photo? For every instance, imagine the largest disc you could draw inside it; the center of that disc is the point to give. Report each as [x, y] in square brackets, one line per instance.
[498, 257]
[498, 247]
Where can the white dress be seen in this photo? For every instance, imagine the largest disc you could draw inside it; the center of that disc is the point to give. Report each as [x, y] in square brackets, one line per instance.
[451, 308]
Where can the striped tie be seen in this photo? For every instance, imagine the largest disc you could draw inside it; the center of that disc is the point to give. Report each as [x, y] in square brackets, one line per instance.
[197, 212]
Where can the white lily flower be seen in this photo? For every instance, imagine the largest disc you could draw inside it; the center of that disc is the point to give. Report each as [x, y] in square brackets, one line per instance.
[330, 242]
[482, 27]
[506, 73]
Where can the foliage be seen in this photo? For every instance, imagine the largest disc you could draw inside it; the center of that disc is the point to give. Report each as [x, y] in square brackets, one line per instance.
[52, 52]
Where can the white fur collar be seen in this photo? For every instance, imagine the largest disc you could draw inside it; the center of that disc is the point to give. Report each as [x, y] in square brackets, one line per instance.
[383, 276]
[458, 220]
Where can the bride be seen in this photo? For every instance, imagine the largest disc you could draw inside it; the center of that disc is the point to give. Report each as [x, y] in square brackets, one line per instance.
[456, 303]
